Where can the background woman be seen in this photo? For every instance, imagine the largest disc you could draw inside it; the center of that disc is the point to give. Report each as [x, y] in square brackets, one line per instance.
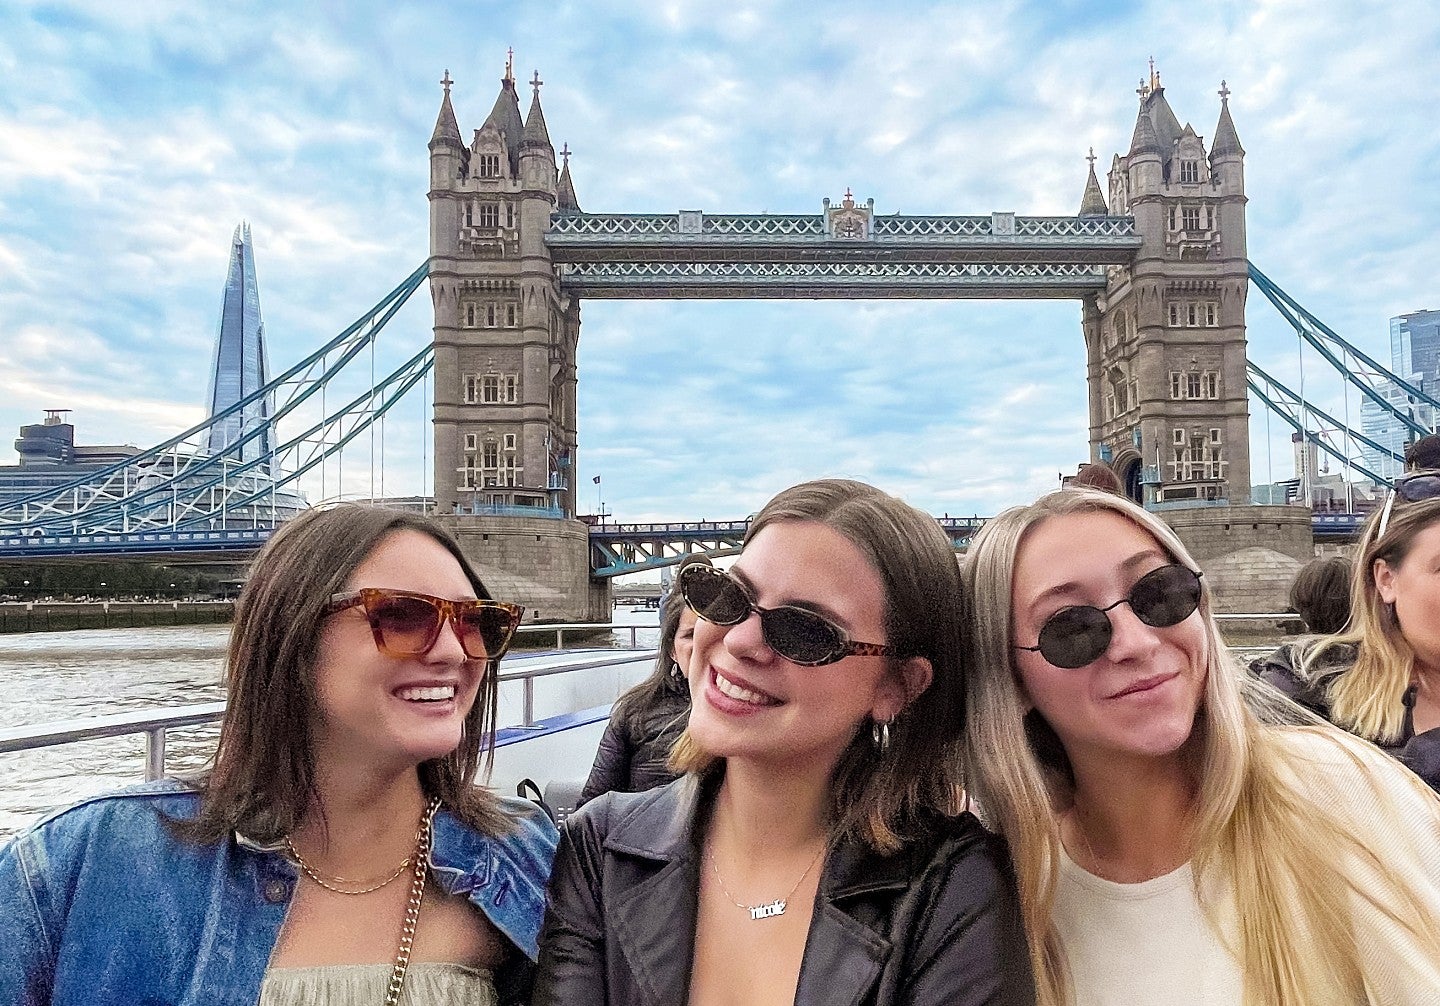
[339, 850]
[648, 719]
[1171, 846]
[1380, 679]
[808, 856]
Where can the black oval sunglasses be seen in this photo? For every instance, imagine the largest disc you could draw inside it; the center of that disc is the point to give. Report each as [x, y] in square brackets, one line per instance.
[1080, 634]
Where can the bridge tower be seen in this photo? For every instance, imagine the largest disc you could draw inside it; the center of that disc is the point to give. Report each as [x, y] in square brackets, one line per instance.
[505, 345]
[1166, 340]
[505, 335]
[1165, 347]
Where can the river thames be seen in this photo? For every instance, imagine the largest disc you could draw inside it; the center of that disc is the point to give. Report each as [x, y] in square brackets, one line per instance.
[47, 677]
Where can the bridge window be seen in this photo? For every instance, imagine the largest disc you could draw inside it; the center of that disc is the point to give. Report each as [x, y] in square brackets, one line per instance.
[490, 215]
[510, 215]
[470, 388]
[489, 315]
[1189, 171]
[1211, 382]
[469, 315]
[508, 386]
[490, 388]
[469, 215]
[490, 459]
[1192, 385]
[471, 441]
[510, 314]
[489, 165]
[509, 441]
[1190, 218]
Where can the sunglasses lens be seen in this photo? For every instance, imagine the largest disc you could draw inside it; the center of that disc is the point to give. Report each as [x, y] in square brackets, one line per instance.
[1074, 637]
[407, 624]
[1166, 596]
[800, 636]
[1418, 487]
[713, 596]
[486, 631]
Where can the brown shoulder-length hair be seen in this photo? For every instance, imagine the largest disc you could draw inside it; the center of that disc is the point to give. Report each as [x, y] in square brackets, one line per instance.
[878, 798]
[262, 779]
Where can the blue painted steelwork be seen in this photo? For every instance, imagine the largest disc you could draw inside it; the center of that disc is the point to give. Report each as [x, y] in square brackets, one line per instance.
[617, 549]
[1317, 334]
[178, 485]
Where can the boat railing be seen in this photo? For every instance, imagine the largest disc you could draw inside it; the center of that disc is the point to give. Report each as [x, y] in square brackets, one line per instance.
[156, 723]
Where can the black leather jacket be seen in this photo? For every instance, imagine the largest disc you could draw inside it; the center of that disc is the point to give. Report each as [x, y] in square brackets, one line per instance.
[936, 923]
[1419, 752]
[632, 759]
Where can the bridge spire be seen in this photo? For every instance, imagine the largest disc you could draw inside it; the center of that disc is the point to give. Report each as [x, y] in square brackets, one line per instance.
[1227, 141]
[447, 130]
[1092, 203]
[535, 132]
[565, 187]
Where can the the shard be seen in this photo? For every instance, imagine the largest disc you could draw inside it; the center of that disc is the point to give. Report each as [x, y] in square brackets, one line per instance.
[240, 368]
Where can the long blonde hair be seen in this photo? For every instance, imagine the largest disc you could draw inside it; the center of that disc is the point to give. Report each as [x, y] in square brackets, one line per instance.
[1366, 698]
[1278, 850]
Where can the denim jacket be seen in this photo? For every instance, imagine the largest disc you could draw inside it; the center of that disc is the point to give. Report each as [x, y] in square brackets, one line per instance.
[101, 904]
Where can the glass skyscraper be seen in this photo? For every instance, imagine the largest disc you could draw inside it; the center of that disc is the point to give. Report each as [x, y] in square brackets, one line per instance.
[240, 366]
[1414, 356]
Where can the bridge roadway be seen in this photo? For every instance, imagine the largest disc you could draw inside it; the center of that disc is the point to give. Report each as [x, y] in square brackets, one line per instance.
[615, 549]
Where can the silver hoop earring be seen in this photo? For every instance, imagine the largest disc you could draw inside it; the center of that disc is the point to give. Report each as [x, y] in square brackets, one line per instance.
[880, 736]
[676, 671]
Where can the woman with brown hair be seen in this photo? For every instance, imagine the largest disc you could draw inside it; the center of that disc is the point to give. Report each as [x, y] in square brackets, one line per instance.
[645, 722]
[339, 849]
[1180, 832]
[812, 853]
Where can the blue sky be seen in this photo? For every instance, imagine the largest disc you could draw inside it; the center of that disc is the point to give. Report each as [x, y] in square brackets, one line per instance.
[134, 137]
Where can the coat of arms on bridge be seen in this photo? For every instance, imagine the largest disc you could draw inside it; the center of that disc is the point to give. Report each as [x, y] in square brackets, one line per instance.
[848, 221]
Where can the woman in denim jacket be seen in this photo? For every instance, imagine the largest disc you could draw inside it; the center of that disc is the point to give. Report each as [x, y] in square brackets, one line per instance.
[339, 849]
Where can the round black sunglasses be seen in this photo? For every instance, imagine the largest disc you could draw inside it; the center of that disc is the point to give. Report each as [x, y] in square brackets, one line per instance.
[1080, 634]
[800, 636]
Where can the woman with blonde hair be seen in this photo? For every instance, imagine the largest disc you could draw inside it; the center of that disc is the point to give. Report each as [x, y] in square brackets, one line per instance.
[1380, 678]
[813, 853]
[1174, 842]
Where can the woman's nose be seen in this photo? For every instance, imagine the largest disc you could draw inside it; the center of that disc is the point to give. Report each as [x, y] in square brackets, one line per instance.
[1130, 638]
[746, 638]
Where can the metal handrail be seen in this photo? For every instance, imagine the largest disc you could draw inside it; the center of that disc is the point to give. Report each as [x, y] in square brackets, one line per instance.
[155, 724]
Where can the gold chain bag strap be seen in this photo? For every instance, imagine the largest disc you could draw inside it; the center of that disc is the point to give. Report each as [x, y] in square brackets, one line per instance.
[424, 841]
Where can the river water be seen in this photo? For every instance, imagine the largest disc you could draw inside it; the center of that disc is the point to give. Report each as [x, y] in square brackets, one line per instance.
[46, 677]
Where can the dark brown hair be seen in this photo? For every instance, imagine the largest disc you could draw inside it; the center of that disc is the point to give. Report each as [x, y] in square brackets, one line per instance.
[632, 707]
[881, 798]
[263, 775]
[1320, 594]
[1097, 475]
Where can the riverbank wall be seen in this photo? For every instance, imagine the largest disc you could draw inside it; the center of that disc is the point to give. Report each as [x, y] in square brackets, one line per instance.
[58, 616]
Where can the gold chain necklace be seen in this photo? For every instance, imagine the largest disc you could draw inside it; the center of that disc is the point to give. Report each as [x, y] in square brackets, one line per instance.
[330, 883]
[768, 909]
[419, 861]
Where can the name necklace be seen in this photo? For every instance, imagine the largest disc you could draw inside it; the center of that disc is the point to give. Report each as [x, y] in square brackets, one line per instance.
[768, 909]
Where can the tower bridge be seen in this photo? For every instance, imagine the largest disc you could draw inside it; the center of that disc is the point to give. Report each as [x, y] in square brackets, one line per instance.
[1156, 258]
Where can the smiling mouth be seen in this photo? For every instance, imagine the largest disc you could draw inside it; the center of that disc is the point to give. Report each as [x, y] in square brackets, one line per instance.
[731, 690]
[426, 693]
[1145, 685]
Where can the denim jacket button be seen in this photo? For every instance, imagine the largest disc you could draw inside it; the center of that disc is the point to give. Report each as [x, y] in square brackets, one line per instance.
[276, 891]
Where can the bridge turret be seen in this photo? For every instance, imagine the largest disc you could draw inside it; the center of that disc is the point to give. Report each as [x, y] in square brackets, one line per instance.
[448, 162]
[565, 188]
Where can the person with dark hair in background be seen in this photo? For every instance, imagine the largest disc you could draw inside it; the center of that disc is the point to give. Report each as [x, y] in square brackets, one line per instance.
[1097, 475]
[814, 853]
[1320, 594]
[646, 721]
[1423, 454]
[339, 848]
